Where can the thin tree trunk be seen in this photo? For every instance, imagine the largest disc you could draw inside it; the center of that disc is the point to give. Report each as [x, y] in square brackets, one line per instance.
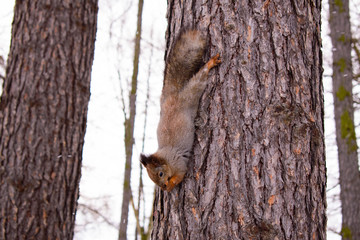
[129, 129]
[344, 119]
[140, 230]
[258, 170]
[43, 112]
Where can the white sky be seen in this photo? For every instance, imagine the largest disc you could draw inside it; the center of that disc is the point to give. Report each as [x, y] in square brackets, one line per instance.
[103, 159]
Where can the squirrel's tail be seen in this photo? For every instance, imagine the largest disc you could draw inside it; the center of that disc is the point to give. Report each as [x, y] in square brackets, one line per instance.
[185, 58]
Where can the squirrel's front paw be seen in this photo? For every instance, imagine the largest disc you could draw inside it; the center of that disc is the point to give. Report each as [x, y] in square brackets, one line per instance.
[173, 181]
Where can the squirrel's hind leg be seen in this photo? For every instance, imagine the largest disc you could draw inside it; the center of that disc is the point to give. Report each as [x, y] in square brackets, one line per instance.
[196, 85]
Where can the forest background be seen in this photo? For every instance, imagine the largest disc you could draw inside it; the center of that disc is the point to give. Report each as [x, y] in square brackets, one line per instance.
[103, 158]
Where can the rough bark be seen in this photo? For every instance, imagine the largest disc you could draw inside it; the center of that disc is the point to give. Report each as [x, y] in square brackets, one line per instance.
[129, 129]
[258, 170]
[43, 112]
[340, 34]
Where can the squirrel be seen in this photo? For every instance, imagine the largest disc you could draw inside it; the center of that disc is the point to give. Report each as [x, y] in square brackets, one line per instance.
[184, 82]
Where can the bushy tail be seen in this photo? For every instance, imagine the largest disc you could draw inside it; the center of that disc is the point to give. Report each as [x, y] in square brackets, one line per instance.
[185, 58]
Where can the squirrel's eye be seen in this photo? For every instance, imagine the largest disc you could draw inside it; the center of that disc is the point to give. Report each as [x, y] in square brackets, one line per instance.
[161, 174]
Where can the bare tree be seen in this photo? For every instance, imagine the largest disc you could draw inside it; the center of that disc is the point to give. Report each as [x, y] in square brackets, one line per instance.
[140, 221]
[339, 22]
[258, 170]
[43, 112]
[129, 129]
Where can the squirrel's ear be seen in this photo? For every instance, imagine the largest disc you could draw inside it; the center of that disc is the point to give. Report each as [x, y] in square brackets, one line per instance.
[152, 159]
[144, 159]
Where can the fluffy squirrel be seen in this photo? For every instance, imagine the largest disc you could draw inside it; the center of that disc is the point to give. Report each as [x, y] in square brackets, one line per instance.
[184, 82]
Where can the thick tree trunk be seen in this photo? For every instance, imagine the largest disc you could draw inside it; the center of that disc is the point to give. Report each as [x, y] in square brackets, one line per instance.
[258, 170]
[344, 118]
[43, 113]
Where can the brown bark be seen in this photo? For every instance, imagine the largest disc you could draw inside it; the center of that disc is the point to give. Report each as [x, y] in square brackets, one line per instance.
[258, 170]
[43, 112]
[340, 34]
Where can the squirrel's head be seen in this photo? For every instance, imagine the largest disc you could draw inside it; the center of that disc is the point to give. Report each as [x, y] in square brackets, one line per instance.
[157, 169]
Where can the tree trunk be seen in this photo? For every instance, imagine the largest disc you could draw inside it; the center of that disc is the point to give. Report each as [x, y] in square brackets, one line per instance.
[43, 112]
[129, 129]
[258, 170]
[344, 118]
